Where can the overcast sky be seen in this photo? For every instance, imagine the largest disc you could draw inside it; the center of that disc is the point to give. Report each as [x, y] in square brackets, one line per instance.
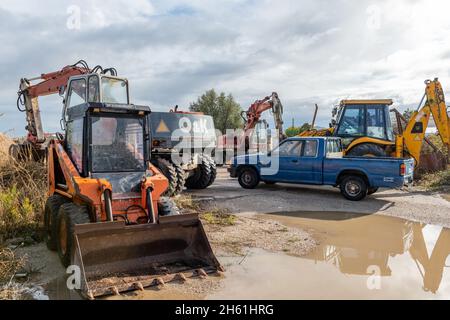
[172, 51]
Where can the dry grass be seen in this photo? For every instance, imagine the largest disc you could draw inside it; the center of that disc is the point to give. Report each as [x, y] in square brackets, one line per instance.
[5, 143]
[186, 203]
[438, 181]
[218, 217]
[22, 194]
[437, 141]
[210, 215]
[9, 265]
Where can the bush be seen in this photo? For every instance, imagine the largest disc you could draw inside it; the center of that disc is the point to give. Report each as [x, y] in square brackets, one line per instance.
[17, 214]
[295, 131]
[23, 191]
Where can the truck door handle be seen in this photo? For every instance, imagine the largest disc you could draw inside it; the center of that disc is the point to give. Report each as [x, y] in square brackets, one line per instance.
[295, 161]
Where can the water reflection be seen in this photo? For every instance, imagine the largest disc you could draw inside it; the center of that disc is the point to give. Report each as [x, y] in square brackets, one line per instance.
[357, 243]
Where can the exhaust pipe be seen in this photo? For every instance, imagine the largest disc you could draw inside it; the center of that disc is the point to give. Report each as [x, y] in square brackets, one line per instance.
[108, 205]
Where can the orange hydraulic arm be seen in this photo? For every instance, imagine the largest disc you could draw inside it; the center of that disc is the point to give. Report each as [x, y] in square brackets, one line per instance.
[51, 83]
[253, 114]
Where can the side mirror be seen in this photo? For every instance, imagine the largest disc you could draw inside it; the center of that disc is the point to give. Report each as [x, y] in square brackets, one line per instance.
[334, 112]
[62, 90]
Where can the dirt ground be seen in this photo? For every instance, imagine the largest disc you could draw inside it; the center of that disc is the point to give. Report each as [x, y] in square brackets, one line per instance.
[248, 230]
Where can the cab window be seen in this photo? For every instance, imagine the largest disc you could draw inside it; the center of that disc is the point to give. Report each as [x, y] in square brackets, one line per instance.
[310, 149]
[289, 149]
[74, 138]
[94, 89]
[334, 149]
[352, 122]
[376, 122]
[114, 90]
[77, 92]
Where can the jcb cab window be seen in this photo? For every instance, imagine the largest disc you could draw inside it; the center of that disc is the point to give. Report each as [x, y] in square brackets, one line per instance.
[353, 122]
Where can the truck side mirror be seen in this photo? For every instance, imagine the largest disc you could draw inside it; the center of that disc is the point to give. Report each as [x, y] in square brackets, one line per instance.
[62, 90]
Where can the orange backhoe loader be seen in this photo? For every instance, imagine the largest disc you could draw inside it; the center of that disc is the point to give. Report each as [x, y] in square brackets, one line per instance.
[105, 213]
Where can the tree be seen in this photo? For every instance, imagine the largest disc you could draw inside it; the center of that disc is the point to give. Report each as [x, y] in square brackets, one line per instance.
[295, 131]
[407, 114]
[225, 111]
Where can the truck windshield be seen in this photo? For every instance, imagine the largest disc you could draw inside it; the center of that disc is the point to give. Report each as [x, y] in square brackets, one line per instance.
[117, 144]
[114, 90]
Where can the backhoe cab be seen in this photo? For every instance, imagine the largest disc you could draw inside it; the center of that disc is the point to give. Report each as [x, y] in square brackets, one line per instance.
[105, 212]
[370, 119]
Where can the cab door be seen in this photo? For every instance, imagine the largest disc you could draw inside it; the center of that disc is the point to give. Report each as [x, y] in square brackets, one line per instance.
[309, 165]
[288, 154]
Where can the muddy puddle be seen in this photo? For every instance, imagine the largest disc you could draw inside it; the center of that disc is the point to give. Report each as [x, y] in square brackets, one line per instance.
[357, 257]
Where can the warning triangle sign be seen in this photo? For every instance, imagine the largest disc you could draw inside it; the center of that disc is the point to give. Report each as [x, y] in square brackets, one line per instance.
[162, 127]
[417, 138]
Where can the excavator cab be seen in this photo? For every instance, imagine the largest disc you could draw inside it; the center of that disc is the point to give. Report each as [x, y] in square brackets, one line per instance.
[105, 213]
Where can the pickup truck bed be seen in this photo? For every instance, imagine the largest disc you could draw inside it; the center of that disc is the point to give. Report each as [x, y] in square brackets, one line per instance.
[319, 161]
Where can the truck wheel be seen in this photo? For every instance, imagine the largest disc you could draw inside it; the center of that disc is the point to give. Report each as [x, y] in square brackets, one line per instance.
[372, 190]
[248, 178]
[367, 150]
[201, 177]
[167, 207]
[69, 215]
[52, 206]
[181, 178]
[353, 188]
[213, 167]
[169, 171]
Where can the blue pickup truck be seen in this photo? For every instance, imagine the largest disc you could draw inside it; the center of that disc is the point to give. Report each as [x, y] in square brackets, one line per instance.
[320, 161]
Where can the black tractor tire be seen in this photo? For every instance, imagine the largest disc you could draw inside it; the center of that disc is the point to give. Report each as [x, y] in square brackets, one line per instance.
[354, 187]
[168, 170]
[181, 178]
[201, 177]
[213, 166]
[51, 211]
[372, 190]
[367, 150]
[248, 178]
[69, 216]
[167, 207]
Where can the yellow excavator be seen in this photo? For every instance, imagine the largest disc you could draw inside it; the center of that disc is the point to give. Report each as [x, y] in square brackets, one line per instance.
[366, 129]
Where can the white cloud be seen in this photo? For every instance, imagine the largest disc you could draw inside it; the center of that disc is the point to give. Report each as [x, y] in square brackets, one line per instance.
[172, 51]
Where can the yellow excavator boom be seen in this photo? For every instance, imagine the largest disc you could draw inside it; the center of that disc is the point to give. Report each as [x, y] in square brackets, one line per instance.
[414, 134]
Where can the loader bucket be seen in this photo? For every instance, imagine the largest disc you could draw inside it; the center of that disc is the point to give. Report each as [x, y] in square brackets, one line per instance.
[116, 258]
